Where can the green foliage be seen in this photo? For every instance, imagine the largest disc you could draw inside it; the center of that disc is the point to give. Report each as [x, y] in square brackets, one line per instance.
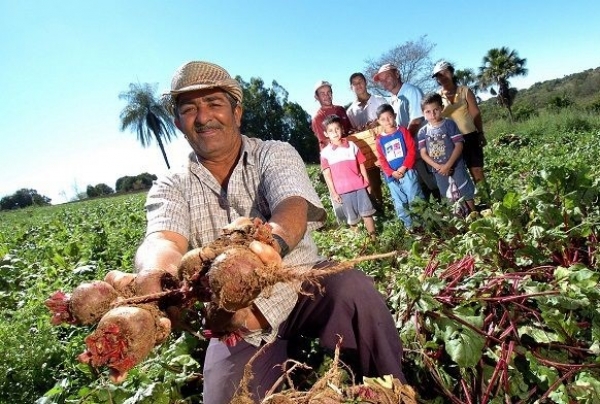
[98, 190]
[523, 112]
[582, 87]
[559, 102]
[136, 183]
[594, 106]
[269, 115]
[502, 304]
[22, 199]
[44, 250]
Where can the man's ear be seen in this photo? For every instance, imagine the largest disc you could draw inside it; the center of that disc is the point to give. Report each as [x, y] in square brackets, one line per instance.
[237, 114]
[177, 122]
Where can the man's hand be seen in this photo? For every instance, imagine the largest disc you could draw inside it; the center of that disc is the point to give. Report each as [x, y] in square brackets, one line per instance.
[230, 327]
[148, 281]
[221, 323]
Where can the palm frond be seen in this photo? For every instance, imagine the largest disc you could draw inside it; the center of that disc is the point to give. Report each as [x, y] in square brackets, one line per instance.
[146, 115]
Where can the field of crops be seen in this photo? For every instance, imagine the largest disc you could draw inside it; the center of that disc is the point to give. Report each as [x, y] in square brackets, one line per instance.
[501, 308]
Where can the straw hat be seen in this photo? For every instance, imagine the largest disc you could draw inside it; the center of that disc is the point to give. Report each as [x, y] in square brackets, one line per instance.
[201, 75]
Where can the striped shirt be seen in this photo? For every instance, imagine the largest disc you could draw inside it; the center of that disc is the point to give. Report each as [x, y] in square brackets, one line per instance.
[191, 202]
[344, 162]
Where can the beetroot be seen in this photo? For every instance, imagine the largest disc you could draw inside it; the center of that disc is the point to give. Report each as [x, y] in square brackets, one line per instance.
[233, 278]
[58, 304]
[225, 273]
[85, 305]
[123, 338]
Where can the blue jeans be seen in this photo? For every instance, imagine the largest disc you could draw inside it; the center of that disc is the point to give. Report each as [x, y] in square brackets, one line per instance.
[403, 192]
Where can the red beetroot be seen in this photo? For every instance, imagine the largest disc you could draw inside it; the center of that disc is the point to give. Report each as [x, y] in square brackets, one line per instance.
[86, 305]
[58, 304]
[123, 338]
[234, 280]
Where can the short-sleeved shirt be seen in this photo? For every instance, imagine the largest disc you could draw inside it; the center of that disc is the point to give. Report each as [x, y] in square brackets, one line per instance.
[344, 162]
[407, 104]
[317, 122]
[192, 203]
[439, 141]
[360, 115]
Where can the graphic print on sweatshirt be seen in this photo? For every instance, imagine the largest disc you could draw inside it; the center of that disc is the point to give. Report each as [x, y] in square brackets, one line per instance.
[394, 150]
[436, 146]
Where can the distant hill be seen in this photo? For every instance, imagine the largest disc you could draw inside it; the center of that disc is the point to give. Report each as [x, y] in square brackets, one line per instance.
[580, 90]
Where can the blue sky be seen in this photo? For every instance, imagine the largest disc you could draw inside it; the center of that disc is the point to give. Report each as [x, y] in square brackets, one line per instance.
[64, 63]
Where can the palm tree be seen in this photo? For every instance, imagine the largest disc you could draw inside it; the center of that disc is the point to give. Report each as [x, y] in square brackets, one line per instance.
[499, 65]
[467, 78]
[147, 116]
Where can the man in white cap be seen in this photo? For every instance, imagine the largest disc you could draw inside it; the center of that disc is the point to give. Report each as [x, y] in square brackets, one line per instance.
[405, 98]
[406, 101]
[324, 95]
[230, 178]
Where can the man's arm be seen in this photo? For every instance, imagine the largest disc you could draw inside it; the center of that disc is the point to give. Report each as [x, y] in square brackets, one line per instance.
[289, 219]
[160, 251]
[415, 113]
[476, 114]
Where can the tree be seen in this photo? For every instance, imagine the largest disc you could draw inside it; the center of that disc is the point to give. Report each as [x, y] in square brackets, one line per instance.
[263, 110]
[23, 198]
[467, 78]
[269, 115]
[98, 190]
[301, 134]
[147, 116]
[499, 65]
[140, 181]
[413, 61]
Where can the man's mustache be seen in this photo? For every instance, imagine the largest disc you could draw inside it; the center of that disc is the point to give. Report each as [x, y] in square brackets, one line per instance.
[202, 128]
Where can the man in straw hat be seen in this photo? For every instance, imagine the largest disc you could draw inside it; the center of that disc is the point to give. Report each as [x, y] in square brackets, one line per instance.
[228, 179]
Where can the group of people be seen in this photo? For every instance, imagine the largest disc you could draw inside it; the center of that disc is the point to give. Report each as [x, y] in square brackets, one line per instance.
[230, 178]
[426, 146]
